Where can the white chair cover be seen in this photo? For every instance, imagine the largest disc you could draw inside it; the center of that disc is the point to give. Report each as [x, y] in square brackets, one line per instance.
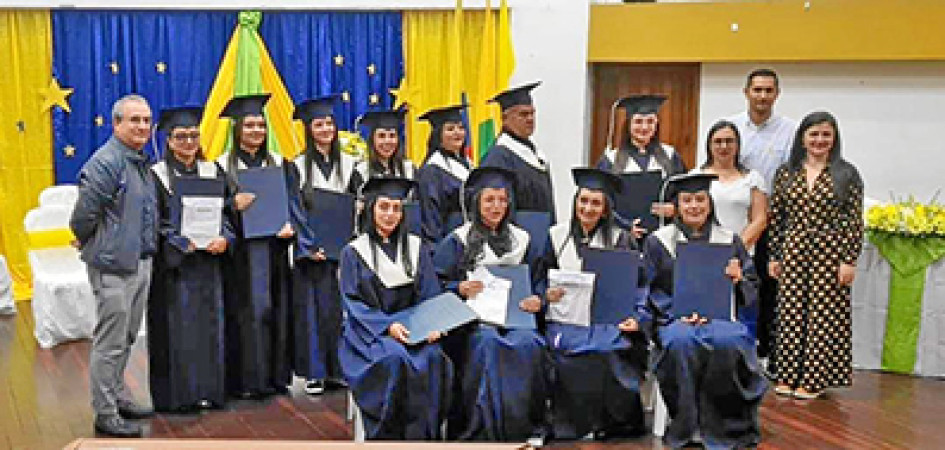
[65, 194]
[63, 304]
[6, 289]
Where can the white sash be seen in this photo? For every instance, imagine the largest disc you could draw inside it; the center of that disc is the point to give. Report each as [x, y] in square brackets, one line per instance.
[332, 183]
[205, 169]
[565, 250]
[391, 273]
[453, 168]
[536, 158]
[222, 161]
[670, 235]
[633, 167]
[520, 240]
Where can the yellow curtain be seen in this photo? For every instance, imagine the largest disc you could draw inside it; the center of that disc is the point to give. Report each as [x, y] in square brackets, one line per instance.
[26, 162]
[429, 81]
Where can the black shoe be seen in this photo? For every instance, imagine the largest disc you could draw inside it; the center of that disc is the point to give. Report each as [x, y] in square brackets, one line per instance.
[129, 410]
[336, 383]
[315, 387]
[114, 425]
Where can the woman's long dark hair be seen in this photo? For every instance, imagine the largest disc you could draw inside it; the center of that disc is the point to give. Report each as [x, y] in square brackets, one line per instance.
[721, 125]
[396, 160]
[435, 141]
[479, 235]
[605, 225]
[654, 147]
[334, 158]
[400, 234]
[843, 173]
[231, 161]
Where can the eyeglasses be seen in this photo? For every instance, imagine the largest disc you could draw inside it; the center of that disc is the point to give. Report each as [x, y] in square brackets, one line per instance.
[722, 142]
[186, 137]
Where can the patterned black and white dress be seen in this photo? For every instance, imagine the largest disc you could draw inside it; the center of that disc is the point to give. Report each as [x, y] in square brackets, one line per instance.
[813, 232]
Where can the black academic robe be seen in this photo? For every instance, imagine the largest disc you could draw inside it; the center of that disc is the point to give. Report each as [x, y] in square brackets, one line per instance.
[532, 174]
[258, 284]
[185, 306]
[708, 374]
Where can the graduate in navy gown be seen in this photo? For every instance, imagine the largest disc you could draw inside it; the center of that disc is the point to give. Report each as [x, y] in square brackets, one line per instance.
[707, 370]
[402, 390]
[514, 150]
[316, 301]
[598, 368]
[503, 386]
[385, 155]
[257, 276]
[641, 150]
[185, 308]
[441, 177]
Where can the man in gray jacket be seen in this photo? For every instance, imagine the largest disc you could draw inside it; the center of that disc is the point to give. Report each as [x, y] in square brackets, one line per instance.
[115, 222]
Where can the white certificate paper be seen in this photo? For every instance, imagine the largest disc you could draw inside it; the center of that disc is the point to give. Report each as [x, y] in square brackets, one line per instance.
[575, 306]
[492, 304]
[201, 219]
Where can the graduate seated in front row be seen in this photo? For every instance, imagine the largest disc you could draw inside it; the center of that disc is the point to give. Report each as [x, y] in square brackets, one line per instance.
[402, 391]
[185, 306]
[503, 387]
[707, 369]
[599, 367]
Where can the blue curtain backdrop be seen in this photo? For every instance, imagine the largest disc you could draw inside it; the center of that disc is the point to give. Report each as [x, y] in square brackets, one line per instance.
[172, 58]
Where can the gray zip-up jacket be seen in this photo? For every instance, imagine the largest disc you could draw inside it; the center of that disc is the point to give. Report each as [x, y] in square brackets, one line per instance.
[115, 216]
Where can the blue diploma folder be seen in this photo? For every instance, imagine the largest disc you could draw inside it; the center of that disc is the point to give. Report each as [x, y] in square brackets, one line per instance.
[640, 191]
[537, 225]
[442, 313]
[269, 212]
[521, 288]
[189, 186]
[699, 281]
[331, 219]
[615, 287]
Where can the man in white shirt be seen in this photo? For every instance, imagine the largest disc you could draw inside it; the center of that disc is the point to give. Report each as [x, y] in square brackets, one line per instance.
[766, 145]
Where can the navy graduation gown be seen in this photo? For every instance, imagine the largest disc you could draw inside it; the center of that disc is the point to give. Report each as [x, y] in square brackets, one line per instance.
[532, 175]
[439, 190]
[257, 306]
[708, 374]
[639, 162]
[316, 296]
[403, 391]
[598, 368]
[185, 306]
[503, 374]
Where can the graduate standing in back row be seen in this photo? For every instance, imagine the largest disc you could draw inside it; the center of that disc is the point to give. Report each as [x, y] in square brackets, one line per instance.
[185, 306]
[440, 180]
[257, 276]
[316, 298]
[385, 156]
[513, 150]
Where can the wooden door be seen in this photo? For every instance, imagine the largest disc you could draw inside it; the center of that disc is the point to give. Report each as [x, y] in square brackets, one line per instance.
[679, 117]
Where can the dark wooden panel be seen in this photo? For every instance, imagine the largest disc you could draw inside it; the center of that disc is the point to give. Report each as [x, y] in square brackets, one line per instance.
[679, 117]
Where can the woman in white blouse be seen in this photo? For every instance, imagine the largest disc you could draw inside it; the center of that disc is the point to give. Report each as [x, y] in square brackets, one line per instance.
[739, 194]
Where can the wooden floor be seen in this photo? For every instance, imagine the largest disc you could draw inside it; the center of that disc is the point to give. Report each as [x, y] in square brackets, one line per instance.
[44, 403]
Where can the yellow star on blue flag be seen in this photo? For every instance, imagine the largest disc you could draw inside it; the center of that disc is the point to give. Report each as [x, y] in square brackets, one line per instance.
[55, 95]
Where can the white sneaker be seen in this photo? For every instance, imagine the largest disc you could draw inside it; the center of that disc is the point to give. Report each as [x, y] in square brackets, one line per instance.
[315, 387]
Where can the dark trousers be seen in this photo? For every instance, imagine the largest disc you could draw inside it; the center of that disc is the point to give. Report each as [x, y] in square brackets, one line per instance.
[767, 299]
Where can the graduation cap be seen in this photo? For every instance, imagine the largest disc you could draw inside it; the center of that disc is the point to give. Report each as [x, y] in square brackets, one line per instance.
[315, 108]
[186, 116]
[515, 96]
[598, 180]
[438, 116]
[489, 177]
[392, 118]
[642, 104]
[390, 187]
[689, 182]
[245, 105]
